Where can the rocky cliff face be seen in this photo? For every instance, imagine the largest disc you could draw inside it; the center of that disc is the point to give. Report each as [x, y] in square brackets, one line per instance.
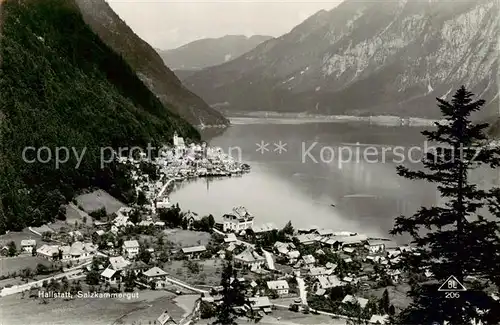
[148, 64]
[209, 52]
[371, 57]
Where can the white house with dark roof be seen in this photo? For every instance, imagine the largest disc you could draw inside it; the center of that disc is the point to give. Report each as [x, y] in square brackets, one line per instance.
[131, 248]
[279, 286]
[157, 276]
[27, 245]
[238, 220]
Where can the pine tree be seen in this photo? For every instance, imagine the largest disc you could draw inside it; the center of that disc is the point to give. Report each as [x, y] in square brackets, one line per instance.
[453, 238]
[232, 296]
[385, 302]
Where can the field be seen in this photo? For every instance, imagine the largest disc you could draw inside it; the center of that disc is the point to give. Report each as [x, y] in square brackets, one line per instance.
[10, 265]
[74, 214]
[91, 311]
[17, 236]
[98, 199]
[209, 275]
[397, 295]
[187, 238]
[285, 317]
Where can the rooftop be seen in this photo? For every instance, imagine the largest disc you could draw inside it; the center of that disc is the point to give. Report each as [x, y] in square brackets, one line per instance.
[131, 244]
[28, 242]
[278, 284]
[155, 271]
[194, 249]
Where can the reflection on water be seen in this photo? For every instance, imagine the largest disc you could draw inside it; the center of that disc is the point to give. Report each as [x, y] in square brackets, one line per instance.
[281, 187]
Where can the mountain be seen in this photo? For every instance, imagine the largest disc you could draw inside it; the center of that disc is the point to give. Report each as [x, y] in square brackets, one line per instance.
[65, 92]
[365, 58]
[147, 63]
[209, 52]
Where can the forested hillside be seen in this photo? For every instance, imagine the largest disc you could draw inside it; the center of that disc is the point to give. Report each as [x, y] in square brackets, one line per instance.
[61, 86]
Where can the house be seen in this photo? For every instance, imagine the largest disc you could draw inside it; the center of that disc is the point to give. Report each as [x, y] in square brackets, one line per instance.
[379, 319]
[178, 142]
[260, 303]
[76, 235]
[99, 233]
[349, 250]
[350, 280]
[308, 230]
[327, 282]
[230, 238]
[160, 224]
[131, 248]
[320, 271]
[309, 260]
[157, 276]
[194, 252]
[394, 274]
[356, 240]
[238, 220]
[111, 276]
[81, 250]
[145, 223]
[250, 258]
[355, 300]
[138, 267]
[162, 203]
[118, 263]
[307, 239]
[293, 255]
[65, 252]
[267, 227]
[378, 246]
[165, 319]
[324, 232]
[124, 212]
[283, 248]
[279, 286]
[192, 218]
[27, 245]
[50, 252]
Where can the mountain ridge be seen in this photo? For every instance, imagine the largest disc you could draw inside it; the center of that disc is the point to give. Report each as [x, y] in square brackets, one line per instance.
[209, 52]
[362, 58]
[63, 88]
[148, 64]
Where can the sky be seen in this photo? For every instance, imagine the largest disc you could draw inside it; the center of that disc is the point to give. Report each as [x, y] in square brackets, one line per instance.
[167, 24]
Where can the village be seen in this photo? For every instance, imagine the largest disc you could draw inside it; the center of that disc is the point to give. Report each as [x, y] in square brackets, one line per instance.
[107, 247]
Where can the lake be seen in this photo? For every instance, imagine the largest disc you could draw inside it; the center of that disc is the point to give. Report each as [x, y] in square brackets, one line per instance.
[349, 165]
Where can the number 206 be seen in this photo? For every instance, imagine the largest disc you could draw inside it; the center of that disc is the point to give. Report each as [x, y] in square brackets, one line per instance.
[452, 295]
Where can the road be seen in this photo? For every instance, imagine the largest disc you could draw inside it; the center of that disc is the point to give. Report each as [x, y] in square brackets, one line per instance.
[38, 284]
[185, 285]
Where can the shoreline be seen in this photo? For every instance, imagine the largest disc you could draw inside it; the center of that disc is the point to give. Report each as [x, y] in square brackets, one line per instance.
[390, 121]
